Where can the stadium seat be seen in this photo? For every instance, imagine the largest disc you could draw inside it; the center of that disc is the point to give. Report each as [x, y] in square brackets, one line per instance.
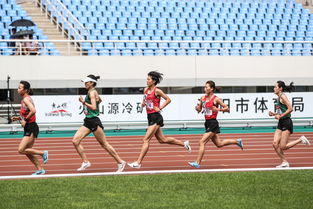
[168, 20]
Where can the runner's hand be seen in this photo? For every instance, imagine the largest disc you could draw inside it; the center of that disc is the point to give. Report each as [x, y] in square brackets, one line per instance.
[14, 118]
[23, 123]
[157, 109]
[270, 113]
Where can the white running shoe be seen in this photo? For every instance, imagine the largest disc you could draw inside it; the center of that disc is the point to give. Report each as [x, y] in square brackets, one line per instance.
[283, 165]
[84, 166]
[121, 166]
[134, 165]
[304, 140]
[187, 146]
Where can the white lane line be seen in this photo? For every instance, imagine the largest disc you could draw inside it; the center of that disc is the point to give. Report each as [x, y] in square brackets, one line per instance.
[150, 172]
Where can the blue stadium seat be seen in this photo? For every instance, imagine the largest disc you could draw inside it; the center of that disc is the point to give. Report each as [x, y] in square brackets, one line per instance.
[192, 52]
[159, 52]
[255, 52]
[203, 52]
[276, 52]
[213, 52]
[148, 52]
[193, 20]
[296, 52]
[170, 52]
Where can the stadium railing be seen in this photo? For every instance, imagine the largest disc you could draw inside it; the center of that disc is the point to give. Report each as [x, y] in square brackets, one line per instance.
[63, 18]
[141, 48]
[131, 125]
[182, 125]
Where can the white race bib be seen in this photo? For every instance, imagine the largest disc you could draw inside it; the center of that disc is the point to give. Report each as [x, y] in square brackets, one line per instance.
[149, 104]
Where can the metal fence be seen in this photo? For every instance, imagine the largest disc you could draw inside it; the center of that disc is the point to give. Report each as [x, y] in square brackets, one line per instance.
[162, 48]
[7, 110]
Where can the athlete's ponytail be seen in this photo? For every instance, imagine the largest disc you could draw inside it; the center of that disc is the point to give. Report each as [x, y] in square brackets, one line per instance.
[26, 86]
[290, 88]
[94, 78]
[156, 76]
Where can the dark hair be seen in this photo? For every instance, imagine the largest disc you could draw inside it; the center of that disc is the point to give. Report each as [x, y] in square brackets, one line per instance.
[290, 88]
[156, 76]
[212, 84]
[26, 86]
[94, 78]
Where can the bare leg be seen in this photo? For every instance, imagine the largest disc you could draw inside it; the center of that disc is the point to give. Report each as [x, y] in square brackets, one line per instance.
[277, 146]
[169, 140]
[35, 161]
[146, 140]
[205, 138]
[99, 134]
[27, 144]
[292, 143]
[221, 143]
[81, 133]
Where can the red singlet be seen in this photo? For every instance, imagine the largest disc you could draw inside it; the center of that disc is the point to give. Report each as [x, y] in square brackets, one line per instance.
[151, 101]
[208, 108]
[24, 111]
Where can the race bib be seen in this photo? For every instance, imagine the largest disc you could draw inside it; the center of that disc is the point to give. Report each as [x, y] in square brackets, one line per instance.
[85, 110]
[278, 110]
[149, 104]
[208, 111]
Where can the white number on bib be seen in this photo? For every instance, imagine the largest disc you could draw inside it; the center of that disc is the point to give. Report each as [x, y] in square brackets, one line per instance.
[149, 104]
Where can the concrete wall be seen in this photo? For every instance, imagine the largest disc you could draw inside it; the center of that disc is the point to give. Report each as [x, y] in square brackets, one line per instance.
[66, 72]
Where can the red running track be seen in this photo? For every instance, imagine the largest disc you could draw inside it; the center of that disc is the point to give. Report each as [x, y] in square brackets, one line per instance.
[63, 158]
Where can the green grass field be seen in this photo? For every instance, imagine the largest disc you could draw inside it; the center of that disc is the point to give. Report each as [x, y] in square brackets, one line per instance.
[268, 190]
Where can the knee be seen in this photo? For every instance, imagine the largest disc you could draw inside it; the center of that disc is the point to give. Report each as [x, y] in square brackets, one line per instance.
[105, 144]
[75, 142]
[21, 151]
[283, 147]
[219, 145]
[146, 140]
[275, 145]
[162, 141]
[202, 143]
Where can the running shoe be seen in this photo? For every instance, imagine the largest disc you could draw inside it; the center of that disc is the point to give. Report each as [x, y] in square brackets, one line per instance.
[39, 172]
[134, 165]
[45, 157]
[121, 166]
[84, 166]
[194, 164]
[239, 143]
[187, 146]
[304, 140]
[283, 165]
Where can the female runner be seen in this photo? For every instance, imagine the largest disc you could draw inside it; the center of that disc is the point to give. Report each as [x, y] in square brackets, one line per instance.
[152, 100]
[31, 129]
[93, 124]
[285, 125]
[210, 104]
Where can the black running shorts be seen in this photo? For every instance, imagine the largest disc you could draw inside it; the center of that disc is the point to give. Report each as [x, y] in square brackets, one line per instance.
[31, 128]
[155, 118]
[285, 124]
[212, 125]
[92, 123]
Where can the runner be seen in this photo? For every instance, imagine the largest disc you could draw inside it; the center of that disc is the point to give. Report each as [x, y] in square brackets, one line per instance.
[152, 99]
[31, 129]
[93, 124]
[285, 125]
[210, 104]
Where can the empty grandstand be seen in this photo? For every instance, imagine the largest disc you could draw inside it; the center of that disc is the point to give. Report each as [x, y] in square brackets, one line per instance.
[175, 28]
